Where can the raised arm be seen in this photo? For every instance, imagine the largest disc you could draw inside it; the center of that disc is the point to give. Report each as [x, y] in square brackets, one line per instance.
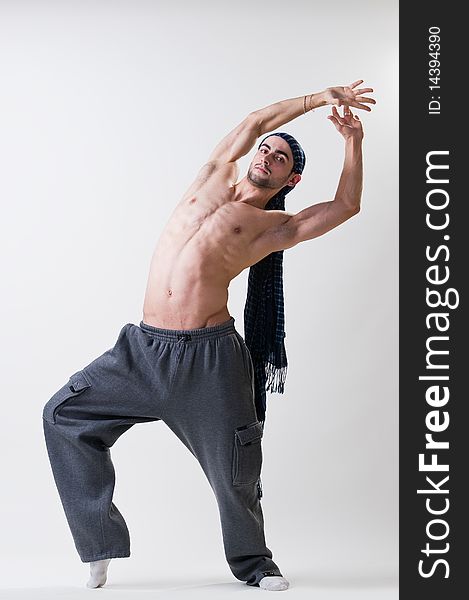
[320, 218]
[243, 137]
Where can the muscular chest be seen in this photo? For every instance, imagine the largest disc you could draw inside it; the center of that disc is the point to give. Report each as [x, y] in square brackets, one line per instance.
[226, 220]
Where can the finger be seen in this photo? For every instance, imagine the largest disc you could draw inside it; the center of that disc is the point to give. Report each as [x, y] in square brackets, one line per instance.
[337, 115]
[355, 83]
[334, 121]
[365, 99]
[363, 90]
[361, 106]
[338, 123]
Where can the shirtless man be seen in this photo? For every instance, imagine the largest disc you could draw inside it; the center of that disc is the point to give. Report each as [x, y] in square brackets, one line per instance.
[219, 227]
[186, 364]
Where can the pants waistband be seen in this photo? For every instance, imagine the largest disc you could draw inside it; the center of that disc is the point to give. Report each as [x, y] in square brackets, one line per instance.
[200, 333]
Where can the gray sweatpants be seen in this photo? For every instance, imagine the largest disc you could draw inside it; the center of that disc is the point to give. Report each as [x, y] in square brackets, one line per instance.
[200, 383]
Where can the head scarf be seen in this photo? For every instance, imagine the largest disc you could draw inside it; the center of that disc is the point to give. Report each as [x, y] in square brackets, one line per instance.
[264, 321]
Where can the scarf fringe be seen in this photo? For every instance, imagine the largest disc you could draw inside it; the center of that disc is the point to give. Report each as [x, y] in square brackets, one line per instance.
[275, 378]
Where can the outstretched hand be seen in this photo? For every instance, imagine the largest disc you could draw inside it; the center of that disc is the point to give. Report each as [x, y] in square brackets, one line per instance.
[348, 125]
[349, 96]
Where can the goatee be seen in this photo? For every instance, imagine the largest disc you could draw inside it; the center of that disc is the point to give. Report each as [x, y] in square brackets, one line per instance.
[260, 183]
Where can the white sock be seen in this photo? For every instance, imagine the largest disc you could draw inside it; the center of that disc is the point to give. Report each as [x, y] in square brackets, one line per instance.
[98, 573]
[273, 583]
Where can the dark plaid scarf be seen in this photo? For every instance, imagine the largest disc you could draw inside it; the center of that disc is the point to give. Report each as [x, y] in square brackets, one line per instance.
[264, 321]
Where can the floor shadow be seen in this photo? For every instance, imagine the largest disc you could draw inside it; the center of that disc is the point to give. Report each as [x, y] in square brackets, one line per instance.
[175, 584]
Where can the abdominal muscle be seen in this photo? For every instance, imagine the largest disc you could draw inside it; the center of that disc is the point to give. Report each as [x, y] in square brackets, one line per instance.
[196, 257]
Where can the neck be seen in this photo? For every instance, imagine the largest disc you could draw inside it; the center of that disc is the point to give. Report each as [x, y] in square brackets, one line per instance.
[251, 194]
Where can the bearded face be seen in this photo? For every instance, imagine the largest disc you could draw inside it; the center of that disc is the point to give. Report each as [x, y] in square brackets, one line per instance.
[272, 165]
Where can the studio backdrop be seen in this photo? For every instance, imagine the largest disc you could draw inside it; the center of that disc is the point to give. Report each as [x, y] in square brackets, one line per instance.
[107, 112]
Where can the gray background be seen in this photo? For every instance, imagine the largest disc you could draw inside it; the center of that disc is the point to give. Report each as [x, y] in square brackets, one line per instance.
[107, 111]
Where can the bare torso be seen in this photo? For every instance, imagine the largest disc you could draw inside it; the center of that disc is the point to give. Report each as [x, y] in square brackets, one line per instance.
[207, 241]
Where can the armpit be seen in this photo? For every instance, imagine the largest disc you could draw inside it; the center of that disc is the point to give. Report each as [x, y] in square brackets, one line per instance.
[206, 171]
[273, 239]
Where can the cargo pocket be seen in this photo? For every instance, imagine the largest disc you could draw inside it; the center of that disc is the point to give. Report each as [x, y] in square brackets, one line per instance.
[247, 454]
[77, 384]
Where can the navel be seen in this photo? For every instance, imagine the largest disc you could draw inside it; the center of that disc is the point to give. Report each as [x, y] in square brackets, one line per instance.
[170, 292]
[237, 229]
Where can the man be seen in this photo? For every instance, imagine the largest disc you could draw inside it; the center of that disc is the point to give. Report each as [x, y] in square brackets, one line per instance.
[186, 364]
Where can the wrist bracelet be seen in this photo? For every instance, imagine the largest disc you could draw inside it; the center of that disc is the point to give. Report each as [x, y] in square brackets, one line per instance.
[310, 104]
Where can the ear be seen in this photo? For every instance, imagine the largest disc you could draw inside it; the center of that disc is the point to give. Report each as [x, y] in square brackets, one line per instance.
[294, 180]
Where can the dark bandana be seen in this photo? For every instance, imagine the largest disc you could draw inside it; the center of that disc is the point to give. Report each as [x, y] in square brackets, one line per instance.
[264, 321]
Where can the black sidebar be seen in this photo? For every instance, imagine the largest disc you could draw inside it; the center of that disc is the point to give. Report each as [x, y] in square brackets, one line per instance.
[434, 369]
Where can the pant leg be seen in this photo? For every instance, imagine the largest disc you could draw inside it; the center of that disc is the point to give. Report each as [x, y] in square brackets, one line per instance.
[212, 411]
[82, 420]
